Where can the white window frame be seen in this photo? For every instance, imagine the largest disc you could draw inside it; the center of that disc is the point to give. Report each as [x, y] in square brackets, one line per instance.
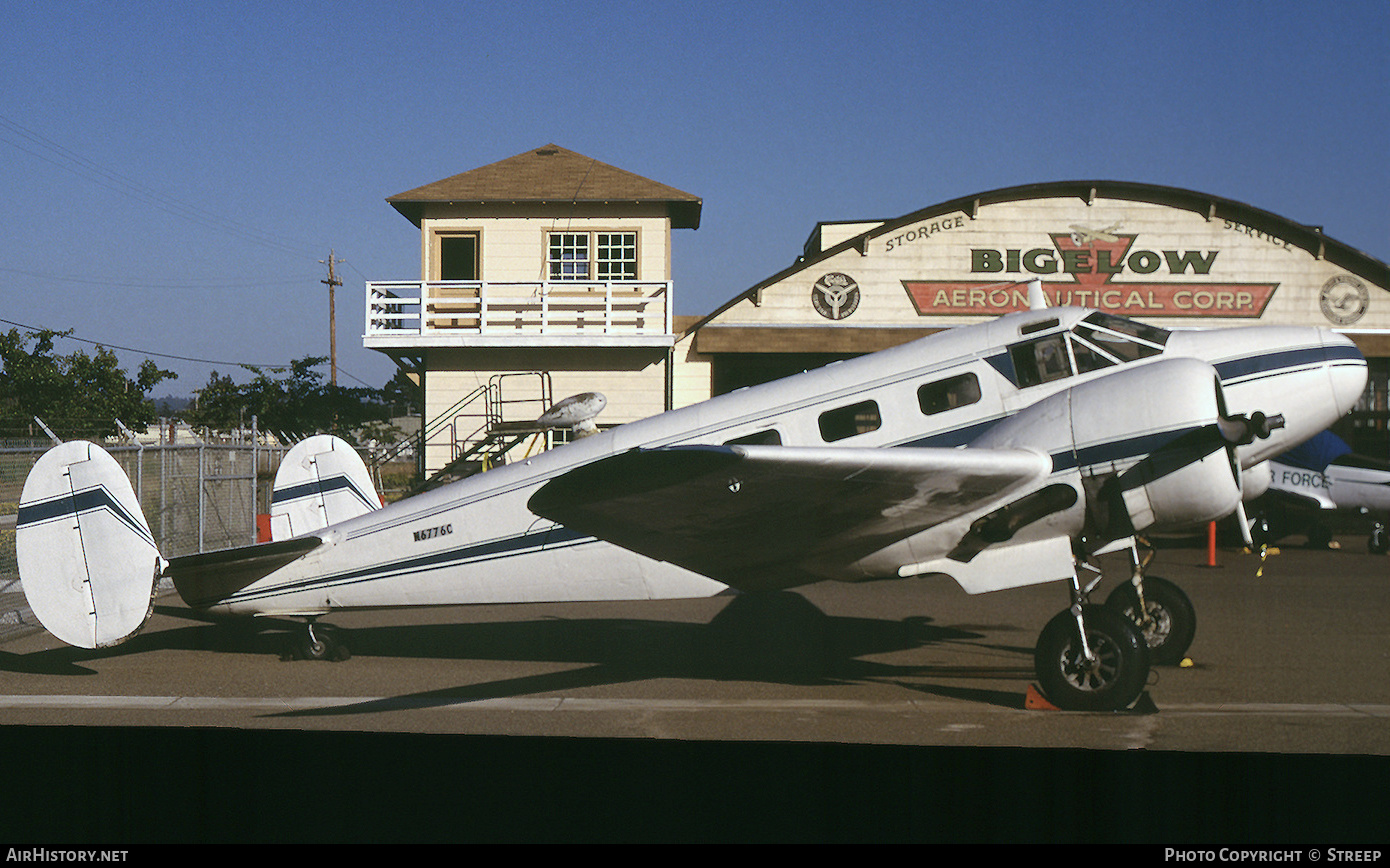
[604, 255]
[615, 255]
[567, 255]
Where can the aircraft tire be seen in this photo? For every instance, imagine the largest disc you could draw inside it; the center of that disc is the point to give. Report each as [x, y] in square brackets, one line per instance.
[1122, 668]
[1173, 621]
[321, 646]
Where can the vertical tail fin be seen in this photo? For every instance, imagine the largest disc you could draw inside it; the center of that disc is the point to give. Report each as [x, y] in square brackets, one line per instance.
[321, 481]
[87, 560]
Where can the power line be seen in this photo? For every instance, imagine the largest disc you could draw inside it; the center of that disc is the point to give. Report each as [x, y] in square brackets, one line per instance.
[55, 154]
[275, 367]
[172, 284]
[112, 346]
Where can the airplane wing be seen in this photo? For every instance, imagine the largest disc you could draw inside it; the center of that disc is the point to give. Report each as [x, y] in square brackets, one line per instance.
[754, 517]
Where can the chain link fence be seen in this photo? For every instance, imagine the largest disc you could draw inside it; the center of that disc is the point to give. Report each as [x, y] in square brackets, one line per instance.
[196, 497]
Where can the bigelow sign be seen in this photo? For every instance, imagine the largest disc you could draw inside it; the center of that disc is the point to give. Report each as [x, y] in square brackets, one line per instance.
[1095, 268]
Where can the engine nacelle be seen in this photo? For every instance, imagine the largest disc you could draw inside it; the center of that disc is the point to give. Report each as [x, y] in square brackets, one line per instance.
[1142, 445]
[1255, 481]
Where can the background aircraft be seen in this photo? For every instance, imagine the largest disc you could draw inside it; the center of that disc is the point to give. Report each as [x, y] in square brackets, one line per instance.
[1003, 454]
[1313, 482]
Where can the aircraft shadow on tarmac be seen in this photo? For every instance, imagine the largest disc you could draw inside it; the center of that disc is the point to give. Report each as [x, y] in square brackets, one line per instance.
[776, 638]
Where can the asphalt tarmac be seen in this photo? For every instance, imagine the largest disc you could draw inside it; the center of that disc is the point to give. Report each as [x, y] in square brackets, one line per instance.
[891, 711]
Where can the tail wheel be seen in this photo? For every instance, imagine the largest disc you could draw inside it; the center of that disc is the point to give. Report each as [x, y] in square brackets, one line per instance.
[1168, 622]
[1379, 541]
[1111, 680]
[317, 643]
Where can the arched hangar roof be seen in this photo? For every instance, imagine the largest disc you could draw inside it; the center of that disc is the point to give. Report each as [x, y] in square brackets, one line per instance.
[1310, 238]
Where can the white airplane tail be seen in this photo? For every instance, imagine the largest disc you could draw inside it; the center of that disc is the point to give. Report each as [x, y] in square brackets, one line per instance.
[89, 564]
[321, 481]
[87, 560]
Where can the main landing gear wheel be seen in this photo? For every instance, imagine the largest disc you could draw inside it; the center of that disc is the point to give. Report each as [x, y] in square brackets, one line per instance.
[1168, 620]
[1110, 678]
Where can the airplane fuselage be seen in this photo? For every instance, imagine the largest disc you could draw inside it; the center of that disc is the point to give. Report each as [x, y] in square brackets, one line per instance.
[476, 541]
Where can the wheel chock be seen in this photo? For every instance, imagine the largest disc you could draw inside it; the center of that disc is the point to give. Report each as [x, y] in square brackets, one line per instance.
[1033, 700]
[1144, 705]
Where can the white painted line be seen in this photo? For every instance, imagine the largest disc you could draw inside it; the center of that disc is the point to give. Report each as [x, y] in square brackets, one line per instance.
[579, 704]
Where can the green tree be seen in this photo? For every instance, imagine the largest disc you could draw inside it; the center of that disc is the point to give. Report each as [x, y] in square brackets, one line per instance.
[76, 395]
[293, 401]
[403, 394]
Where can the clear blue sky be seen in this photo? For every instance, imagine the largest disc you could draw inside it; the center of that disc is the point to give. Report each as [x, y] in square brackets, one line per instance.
[172, 173]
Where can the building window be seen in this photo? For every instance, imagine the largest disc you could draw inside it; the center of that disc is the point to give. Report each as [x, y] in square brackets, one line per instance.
[617, 256]
[569, 256]
[596, 256]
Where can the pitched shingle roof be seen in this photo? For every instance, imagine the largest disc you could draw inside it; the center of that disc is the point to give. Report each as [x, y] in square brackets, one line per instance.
[549, 174]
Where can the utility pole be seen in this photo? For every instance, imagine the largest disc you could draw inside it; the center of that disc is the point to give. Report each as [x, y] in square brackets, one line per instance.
[332, 282]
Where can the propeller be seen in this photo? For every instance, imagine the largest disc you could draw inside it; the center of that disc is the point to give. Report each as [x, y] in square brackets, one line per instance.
[1242, 430]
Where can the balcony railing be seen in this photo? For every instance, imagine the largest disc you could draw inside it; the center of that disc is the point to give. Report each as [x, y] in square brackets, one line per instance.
[453, 311]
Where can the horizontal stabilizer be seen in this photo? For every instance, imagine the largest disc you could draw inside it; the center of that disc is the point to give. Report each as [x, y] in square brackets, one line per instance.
[757, 517]
[204, 579]
[321, 481]
[87, 560]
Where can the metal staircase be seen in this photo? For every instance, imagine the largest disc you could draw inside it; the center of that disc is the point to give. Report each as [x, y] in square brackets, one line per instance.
[482, 427]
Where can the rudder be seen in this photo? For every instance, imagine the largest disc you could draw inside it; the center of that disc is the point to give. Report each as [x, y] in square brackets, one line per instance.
[321, 481]
[87, 560]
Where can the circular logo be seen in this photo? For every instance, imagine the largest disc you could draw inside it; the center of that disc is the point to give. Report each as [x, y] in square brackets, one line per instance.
[1344, 299]
[835, 296]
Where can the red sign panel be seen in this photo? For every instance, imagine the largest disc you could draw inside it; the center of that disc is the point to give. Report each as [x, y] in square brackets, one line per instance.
[1088, 267]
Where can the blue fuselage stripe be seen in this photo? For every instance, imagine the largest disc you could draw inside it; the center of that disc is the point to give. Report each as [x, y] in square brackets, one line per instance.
[1234, 369]
[528, 543]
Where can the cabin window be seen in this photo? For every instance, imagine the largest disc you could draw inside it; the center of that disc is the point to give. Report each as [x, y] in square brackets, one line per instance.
[948, 394]
[769, 437]
[1041, 361]
[850, 421]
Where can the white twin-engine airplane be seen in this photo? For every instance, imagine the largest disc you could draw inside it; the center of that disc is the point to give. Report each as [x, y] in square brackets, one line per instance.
[1003, 454]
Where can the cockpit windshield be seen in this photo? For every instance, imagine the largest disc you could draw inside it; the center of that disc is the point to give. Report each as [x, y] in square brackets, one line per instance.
[1101, 340]
[1119, 339]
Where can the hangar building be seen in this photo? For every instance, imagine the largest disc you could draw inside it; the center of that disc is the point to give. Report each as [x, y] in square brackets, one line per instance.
[555, 267]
